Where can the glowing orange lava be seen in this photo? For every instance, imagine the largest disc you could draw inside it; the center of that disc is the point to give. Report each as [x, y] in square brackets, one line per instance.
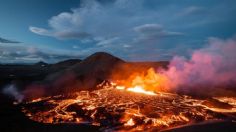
[148, 82]
[130, 122]
[137, 89]
[116, 108]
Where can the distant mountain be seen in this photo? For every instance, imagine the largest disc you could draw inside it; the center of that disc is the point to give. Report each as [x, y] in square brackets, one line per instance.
[2, 40]
[57, 66]
[41, 63]
[66, 63]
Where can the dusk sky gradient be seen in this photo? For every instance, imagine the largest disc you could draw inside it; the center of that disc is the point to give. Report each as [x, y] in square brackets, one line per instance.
[134, 30]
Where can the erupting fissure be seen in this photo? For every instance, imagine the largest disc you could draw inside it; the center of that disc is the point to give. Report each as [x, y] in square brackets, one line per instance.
[148, 82]
[139, 89]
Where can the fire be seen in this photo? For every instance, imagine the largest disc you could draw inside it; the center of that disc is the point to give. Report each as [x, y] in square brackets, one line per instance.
[151, 81]
[148, 83]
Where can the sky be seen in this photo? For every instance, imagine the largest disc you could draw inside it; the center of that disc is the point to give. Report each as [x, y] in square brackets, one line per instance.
[134, 30]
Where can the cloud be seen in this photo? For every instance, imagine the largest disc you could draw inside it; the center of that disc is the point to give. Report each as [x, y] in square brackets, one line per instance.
[151, 37]
[29, 54]
[60, 34]
[127, 46]
[72, 35]
[148, 28]
[75, 47]
[155, 30]
[40, 31]
[190, 10]
[66, 25]
[107, 41]
[94, 19]
[118, 25]
[2, 40]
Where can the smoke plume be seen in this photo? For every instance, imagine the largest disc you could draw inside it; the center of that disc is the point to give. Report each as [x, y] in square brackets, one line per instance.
[12, 91]
[211, 66]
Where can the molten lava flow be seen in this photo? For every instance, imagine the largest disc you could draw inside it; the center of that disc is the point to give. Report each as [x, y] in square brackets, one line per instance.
[138, 103]
[139, 89]
[130, 122]
[136, 89]
[115, 108]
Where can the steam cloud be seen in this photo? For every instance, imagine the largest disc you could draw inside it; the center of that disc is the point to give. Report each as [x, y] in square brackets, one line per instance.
[211, 66]
[11, 90]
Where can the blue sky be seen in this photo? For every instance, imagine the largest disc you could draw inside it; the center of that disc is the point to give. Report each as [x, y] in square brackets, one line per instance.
[135, 30]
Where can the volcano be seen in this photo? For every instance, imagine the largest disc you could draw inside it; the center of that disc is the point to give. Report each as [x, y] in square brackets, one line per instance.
[106, 93]
[95, 69]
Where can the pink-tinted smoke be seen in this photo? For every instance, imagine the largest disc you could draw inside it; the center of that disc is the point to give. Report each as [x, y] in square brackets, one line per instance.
[211, 66]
